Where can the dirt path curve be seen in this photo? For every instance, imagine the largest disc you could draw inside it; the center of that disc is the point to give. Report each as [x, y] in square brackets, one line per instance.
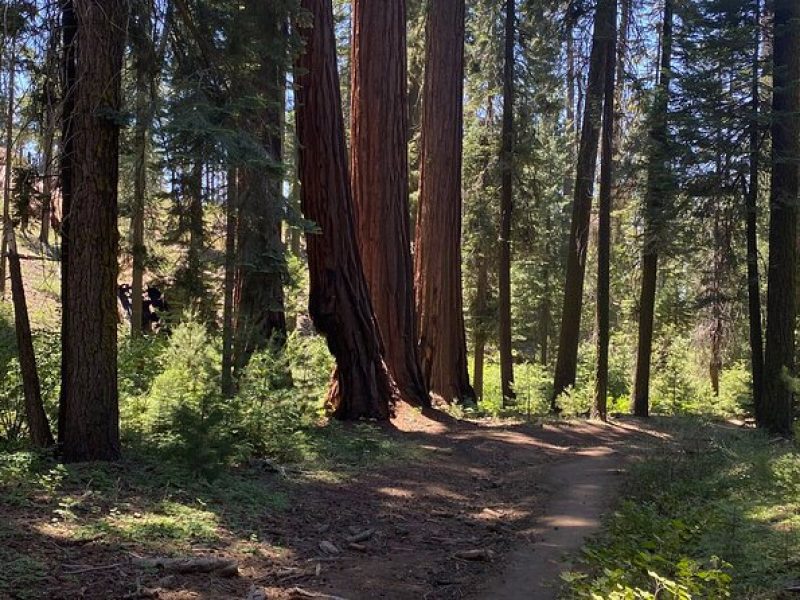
[581, 490]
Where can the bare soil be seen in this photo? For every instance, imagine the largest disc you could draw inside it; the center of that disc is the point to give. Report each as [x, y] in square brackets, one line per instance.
[482, 511]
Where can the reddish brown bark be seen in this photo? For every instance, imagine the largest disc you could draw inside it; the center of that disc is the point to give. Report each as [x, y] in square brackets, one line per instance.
[34, 409]
[339, 302]
[567, 360]
[91, 417]
[379, 163]
[776, 411]
[437, 258]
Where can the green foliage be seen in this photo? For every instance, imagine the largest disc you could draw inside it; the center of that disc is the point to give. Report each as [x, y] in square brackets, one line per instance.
[184, 414]
[712, 515]
[280, 397]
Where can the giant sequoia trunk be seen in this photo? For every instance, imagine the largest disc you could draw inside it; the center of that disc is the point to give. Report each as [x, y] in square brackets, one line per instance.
[379, 162]
[604, 232]
[339, 299]
[567, 360]
[506, 208]
[437, 258]
[751, 227]
[91, 416]
[776, 410]
[34, 409]
[658, 188]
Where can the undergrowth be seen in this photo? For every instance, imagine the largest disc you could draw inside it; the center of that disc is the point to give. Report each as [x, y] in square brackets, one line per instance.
[715, 514]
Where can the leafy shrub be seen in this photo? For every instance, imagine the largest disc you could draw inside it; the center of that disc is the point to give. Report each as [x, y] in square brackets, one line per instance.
[281, 395]
[183, 414]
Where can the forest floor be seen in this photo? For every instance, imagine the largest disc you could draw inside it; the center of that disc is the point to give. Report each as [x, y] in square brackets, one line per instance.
[433, 508]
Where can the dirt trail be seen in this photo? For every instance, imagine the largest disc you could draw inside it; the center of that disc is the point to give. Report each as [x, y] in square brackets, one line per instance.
[582, 489]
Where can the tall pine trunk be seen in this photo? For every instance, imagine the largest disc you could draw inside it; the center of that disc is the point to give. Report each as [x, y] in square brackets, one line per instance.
[91, 418]
[751, 227]
[481, 297]
[7, 170]
[658, 189]
[506, 209]
[776, 411]
[567, 360]
[339, 299]
[599, 407]
[231, 205]
[138, 249]
[34, 409]
[379, 163]
[437, 258]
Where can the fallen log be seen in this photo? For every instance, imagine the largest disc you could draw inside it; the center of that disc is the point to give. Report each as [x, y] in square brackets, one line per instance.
[224, 567]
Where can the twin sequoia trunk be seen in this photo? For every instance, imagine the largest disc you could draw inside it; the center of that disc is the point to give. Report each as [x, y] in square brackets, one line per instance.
[567, 361]
[339, 302]
[506, 208]
[437, 260]
[91, 415]
[776, 411]
[658, 188]
[599, 408]
[379, 162]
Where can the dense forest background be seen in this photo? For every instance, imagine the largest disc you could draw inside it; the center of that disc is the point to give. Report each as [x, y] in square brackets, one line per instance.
[238, 182]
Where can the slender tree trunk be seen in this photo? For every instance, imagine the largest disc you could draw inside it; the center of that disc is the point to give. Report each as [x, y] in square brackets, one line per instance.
[437, 258]
[7, 173]
[776, 411]
[231, 206]
[658, 189]
[567, 360]
[91, 426]
[339, 299]
[572, 131]
[34, 409]
[751, 226]
[481, 294]
[599, 408]
[194, 255]
[506, 209]
[139, 250]
[379, 163]
[69, 29]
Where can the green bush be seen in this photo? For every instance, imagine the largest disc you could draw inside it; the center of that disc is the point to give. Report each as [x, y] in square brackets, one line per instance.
[184, 415]
[281, 396]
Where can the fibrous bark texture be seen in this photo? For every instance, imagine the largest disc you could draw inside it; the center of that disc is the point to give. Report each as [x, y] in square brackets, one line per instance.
[91, 416]
[437, 258]
[776, 411]
[379, 163]
[339, 299]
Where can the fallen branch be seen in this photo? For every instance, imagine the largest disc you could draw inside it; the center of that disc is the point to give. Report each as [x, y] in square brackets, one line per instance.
[224, 567]
[297, 592]
[77, 569]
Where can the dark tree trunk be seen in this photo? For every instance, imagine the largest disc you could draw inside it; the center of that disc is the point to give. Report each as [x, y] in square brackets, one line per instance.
[776, 412]
[567, 360]
[339, 299]
[50, 124]
[506, 209]
[194, 257]
[481, 297]
[138, 249]
[379, 163]
[7, 171]
[437, 258]
[231, 205]
[69, 29]
[91, 419]
[34, 409]
[599, 408]
[658, 188]
[751, 225]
